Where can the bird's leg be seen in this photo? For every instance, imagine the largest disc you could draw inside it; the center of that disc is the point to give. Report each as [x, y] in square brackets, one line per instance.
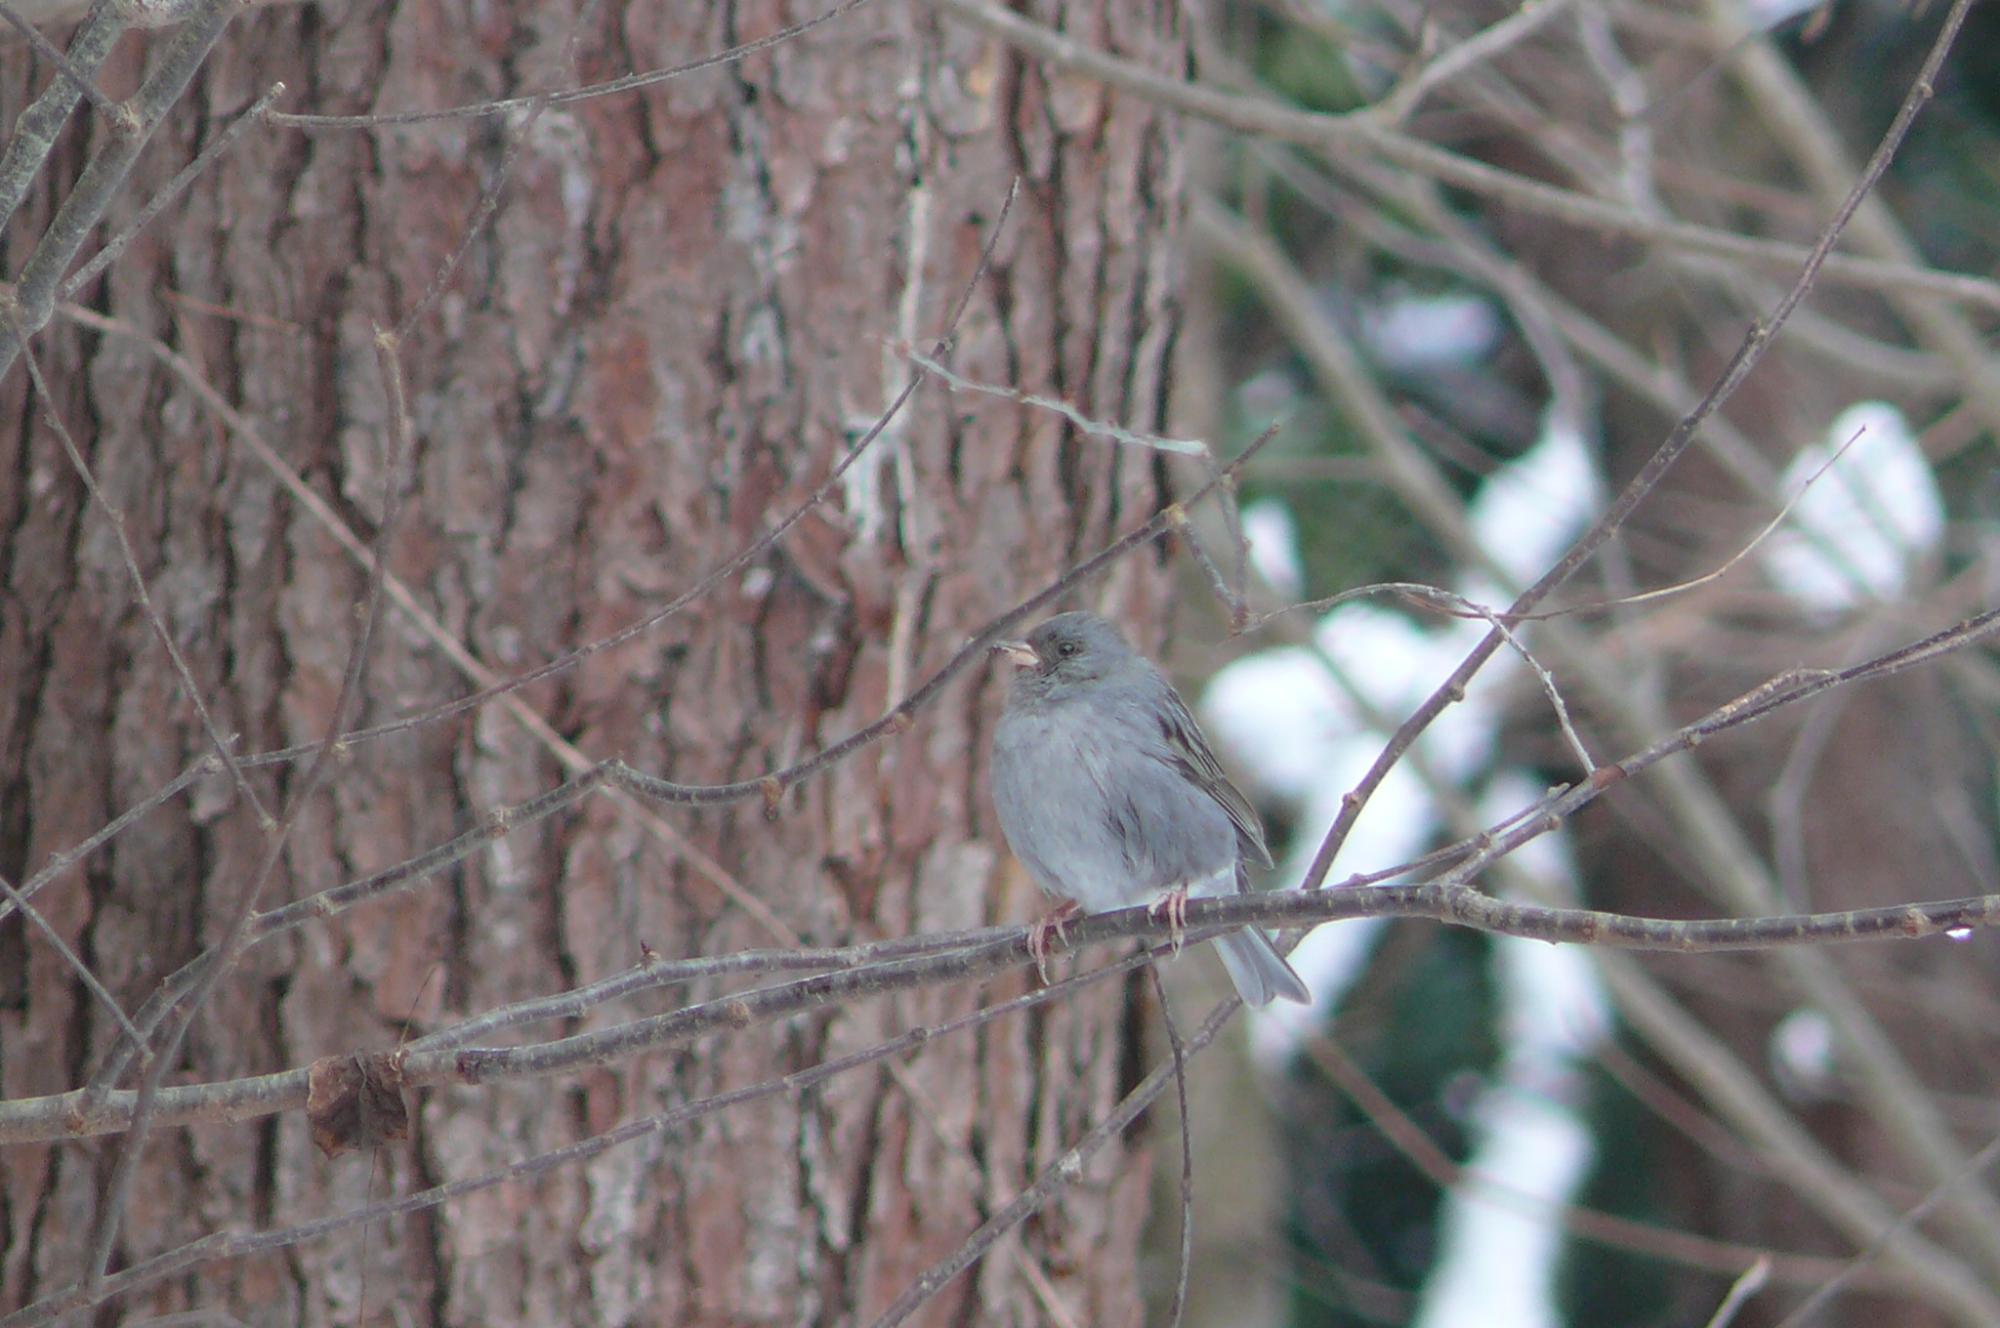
[1053, 923]
[1173, 909]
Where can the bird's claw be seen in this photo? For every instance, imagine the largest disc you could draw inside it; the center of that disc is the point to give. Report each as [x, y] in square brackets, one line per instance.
[1054, 923]
[1173, 910]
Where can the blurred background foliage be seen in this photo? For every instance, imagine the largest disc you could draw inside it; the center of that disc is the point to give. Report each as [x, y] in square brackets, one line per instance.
[1479, 322]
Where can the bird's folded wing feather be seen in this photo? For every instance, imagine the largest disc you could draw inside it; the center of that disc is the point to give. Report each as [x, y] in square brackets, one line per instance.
[1190, 752]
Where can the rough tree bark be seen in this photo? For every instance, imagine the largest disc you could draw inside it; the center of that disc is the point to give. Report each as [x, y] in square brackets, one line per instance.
[687, 305]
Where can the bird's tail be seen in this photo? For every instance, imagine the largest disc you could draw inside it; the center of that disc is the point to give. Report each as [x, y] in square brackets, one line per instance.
[1260, 973]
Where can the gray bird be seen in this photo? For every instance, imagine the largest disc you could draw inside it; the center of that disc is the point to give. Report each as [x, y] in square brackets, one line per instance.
[1109, 795]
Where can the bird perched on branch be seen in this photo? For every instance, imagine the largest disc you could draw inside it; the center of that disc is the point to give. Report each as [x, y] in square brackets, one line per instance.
[1109, 795]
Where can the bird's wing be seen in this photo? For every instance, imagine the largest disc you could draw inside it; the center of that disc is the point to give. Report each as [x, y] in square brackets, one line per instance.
[1190, 753]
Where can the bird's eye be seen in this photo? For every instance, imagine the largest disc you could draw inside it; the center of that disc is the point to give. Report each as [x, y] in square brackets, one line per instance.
[1067, 649]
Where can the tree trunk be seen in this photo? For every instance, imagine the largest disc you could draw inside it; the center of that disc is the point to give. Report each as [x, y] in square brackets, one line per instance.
[689, 302]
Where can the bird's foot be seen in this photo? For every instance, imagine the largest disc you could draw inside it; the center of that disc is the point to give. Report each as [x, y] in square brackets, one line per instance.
[1054, 923]
[1173, 910]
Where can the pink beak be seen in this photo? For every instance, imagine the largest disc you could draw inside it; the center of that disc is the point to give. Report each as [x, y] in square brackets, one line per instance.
[1019, 652]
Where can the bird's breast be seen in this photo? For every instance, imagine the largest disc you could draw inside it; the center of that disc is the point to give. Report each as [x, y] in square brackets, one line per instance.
[1097, 815]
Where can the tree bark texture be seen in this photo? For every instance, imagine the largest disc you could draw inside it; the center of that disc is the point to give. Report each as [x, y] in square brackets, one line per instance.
[689, 302]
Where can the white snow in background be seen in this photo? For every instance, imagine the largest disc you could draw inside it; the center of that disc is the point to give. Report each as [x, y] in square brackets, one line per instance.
[1560, 1010]
[1497, 1254]
[1296, 735]
[1410, 332]
[1497, 1257]
[1869, 520]
[1278, 717]
[1803, 1056]
[1328, 961]
[1267, 395]
[1299, 736]
[1531, 509]
[1289, 722]
[1557, 1009]
[1295, 731]
[1525, 516]
[1274, 545]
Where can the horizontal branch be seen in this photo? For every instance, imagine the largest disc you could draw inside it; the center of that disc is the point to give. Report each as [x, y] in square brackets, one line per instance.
[221, 1245]
[770, 787]
[978, 955]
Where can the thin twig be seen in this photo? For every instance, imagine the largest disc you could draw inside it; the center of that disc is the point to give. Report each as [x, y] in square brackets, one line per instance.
[1755, 343]
[78, 79]
[1359, 132]
[220, 144]
[33, 134]
[973, 956]
[136, 119]
[114, 516]
[15, 899]
[1608, 1230]
[1740, 1291]
[1057, 1176]
[1447, 898]
[111, 1203]
[489, 193]
[1117, 433]
[222, 1245]
[59, 863]
[1916, 1213]
[1456, 59]
[508, 105]
[589, 774]
[1177, 1308]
